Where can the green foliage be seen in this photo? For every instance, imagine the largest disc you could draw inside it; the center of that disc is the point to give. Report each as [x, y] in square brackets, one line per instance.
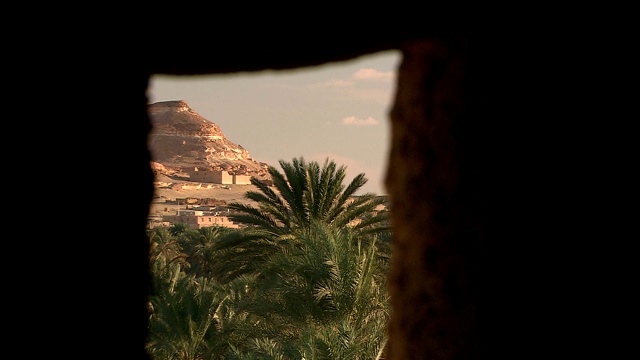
[183, 321]
[305, 279]
[199, 247]
[322, 296]
[307, 192]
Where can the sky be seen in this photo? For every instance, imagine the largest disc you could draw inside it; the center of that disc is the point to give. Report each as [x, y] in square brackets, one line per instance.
[338, 111]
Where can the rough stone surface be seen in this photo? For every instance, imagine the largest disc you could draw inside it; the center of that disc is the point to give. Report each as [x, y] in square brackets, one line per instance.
[182, 139]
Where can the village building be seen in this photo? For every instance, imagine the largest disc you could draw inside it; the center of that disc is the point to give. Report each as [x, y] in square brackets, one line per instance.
[218, 177]
[197, 219]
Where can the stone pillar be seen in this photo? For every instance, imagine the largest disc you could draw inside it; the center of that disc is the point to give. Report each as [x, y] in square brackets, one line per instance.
[437, 232]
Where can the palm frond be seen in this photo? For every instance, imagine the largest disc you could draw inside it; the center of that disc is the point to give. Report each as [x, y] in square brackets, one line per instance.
[293, 184]
[249, 215]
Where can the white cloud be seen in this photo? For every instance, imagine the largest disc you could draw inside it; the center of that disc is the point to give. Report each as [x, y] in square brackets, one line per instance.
[372, 74]
[352, 120]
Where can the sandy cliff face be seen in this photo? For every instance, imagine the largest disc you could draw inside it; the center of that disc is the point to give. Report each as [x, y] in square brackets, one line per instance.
[182, 139]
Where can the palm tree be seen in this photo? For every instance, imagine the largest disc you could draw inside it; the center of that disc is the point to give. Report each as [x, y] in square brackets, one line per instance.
[307, 192]
[191, 316]
[183, 322]
[318, 292]
[304, 194]
[322, 296]
[165, 251]
[198, 246]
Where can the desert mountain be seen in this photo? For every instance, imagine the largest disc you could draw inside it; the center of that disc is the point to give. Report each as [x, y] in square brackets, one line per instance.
[181, 140]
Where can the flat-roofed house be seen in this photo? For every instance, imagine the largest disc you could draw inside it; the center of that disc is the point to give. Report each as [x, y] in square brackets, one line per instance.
[199, 219]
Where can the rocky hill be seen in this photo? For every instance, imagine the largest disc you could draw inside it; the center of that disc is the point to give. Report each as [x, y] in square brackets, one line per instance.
[181, 139]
